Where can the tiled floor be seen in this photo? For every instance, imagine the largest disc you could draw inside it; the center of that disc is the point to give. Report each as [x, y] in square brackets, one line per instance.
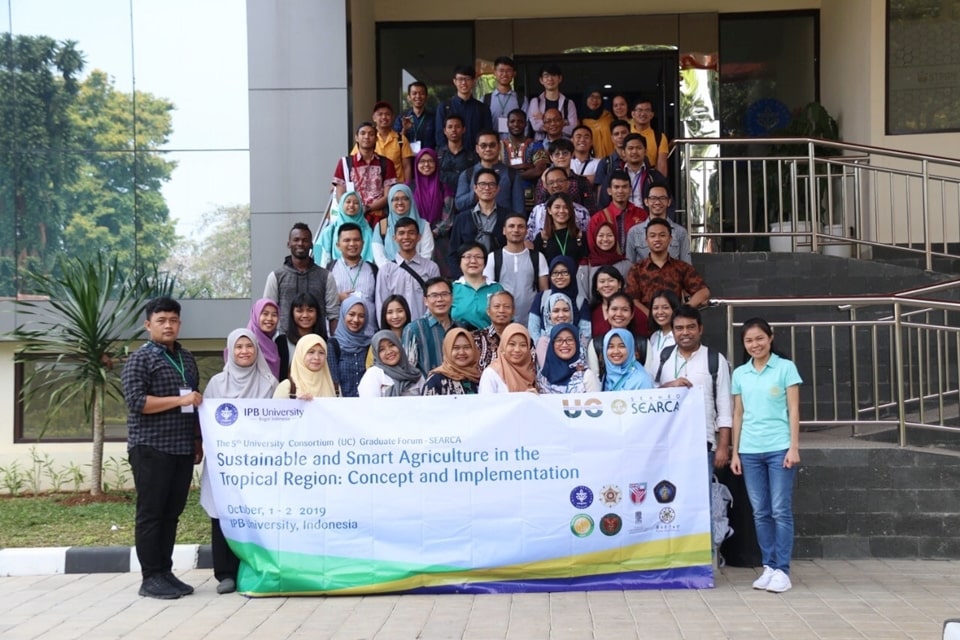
[876, 599]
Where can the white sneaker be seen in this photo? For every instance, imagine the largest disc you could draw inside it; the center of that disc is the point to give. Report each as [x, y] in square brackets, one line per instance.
[779, 582]
[764, 579]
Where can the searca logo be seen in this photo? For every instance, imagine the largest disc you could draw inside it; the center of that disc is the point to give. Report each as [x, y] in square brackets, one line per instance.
[591, 407]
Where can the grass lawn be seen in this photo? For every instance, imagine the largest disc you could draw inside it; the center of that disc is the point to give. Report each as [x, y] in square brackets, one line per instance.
[64, 520]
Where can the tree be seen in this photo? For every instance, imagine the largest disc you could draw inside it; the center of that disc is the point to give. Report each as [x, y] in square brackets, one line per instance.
[216, 264]
[38, 83]
[89, 314]
[80, 167]
[116, 202]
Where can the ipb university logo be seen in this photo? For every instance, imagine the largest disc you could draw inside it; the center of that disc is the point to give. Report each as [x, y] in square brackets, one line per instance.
[591, 407]
[226, 414]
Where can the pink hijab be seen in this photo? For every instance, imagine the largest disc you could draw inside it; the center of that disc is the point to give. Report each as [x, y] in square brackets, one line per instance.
[267, 346]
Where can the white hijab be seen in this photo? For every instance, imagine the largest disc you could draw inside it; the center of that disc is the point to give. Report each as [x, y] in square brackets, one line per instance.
[254, 381]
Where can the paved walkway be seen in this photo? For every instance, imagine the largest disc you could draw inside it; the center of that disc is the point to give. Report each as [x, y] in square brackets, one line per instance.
[876, 599]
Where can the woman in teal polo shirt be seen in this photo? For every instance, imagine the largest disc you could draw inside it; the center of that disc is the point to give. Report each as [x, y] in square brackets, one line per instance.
[766, 447]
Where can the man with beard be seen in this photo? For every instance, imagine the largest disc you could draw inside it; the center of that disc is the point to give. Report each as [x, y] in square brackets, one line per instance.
[300, 274]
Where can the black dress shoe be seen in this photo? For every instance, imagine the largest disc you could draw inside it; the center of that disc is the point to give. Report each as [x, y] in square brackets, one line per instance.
[179, 585]
[158, 587]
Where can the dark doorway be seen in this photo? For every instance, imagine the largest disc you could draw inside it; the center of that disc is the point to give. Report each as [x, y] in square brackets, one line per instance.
[651, 74]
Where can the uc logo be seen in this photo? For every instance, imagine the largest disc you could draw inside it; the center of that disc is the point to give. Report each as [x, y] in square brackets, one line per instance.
[573, 411]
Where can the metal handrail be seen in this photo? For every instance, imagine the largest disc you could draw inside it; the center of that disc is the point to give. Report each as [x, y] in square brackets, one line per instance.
[881, 199]
[905, 375]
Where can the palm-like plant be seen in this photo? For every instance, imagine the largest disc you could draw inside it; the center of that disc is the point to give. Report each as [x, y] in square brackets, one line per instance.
[86, 314]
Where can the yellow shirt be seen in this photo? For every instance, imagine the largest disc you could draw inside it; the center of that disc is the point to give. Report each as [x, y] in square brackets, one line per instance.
[651, 137]
[602, 138]
[391, 147]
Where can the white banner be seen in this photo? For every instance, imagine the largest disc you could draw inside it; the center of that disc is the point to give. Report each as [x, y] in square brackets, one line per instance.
[512, 492]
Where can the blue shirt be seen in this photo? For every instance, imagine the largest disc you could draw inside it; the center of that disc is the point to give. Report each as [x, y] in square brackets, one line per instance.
[766, 420]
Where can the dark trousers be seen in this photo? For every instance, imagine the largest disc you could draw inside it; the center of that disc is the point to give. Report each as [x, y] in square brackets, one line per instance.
[225, 564]
[162, 481]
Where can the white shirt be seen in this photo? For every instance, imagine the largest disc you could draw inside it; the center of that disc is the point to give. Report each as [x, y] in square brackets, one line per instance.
[491, 382]
[516, 276]
[375, 383]
[697, 370]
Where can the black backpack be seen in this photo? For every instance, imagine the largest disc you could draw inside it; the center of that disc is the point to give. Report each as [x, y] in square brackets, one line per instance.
[534, 258]
[713, 366]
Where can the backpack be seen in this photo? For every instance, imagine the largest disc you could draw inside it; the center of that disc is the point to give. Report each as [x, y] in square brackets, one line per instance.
[563, 104]
[720, 501]
[534, 258]
[713, 366]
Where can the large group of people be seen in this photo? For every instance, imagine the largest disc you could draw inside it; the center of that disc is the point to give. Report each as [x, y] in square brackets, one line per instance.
[509, 245]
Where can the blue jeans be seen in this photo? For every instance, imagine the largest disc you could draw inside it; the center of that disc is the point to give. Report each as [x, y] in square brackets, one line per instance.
[770, 488]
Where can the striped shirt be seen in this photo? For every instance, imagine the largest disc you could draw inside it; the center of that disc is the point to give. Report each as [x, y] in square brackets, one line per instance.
[357, 279]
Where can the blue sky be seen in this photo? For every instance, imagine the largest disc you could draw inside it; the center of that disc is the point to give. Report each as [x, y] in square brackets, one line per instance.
[192, 52]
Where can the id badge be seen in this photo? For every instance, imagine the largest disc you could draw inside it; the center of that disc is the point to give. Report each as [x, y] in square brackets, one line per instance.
[502, 125]
[516, 161]
[415, 146]
[184, 391]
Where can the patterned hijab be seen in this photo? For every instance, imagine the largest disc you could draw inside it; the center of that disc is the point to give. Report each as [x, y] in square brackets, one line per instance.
[547, 306]
[319, 384]
[389, 244]
[449, 368]
[518, 378]
[403, 374]
[266, 346]
[236, 381]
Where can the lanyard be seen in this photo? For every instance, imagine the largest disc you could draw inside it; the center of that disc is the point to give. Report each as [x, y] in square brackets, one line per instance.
[636, 182]
[179, 369]
[661, 338]
[417, 124]
[353, 279]
[503, 103]
[677, 370]
[563, 245]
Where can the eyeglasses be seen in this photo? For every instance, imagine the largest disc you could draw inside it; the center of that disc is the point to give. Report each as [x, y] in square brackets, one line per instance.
[459, 79]
[565, 341]
[469, 257]
[557, 183]
[488, 145]
[438, 295]
[487, 185]
[560, 273]
[658, 198]
[561, 152]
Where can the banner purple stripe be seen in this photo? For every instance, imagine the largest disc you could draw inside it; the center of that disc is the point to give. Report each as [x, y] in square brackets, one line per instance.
[697, 577]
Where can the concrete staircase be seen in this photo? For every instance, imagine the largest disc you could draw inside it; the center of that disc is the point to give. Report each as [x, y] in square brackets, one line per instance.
[856, 496]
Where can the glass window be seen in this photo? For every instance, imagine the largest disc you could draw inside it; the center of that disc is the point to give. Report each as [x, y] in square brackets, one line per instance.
[768, 70]
[70, 423]
[424, 52]
[923, 66]
[86, 165]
